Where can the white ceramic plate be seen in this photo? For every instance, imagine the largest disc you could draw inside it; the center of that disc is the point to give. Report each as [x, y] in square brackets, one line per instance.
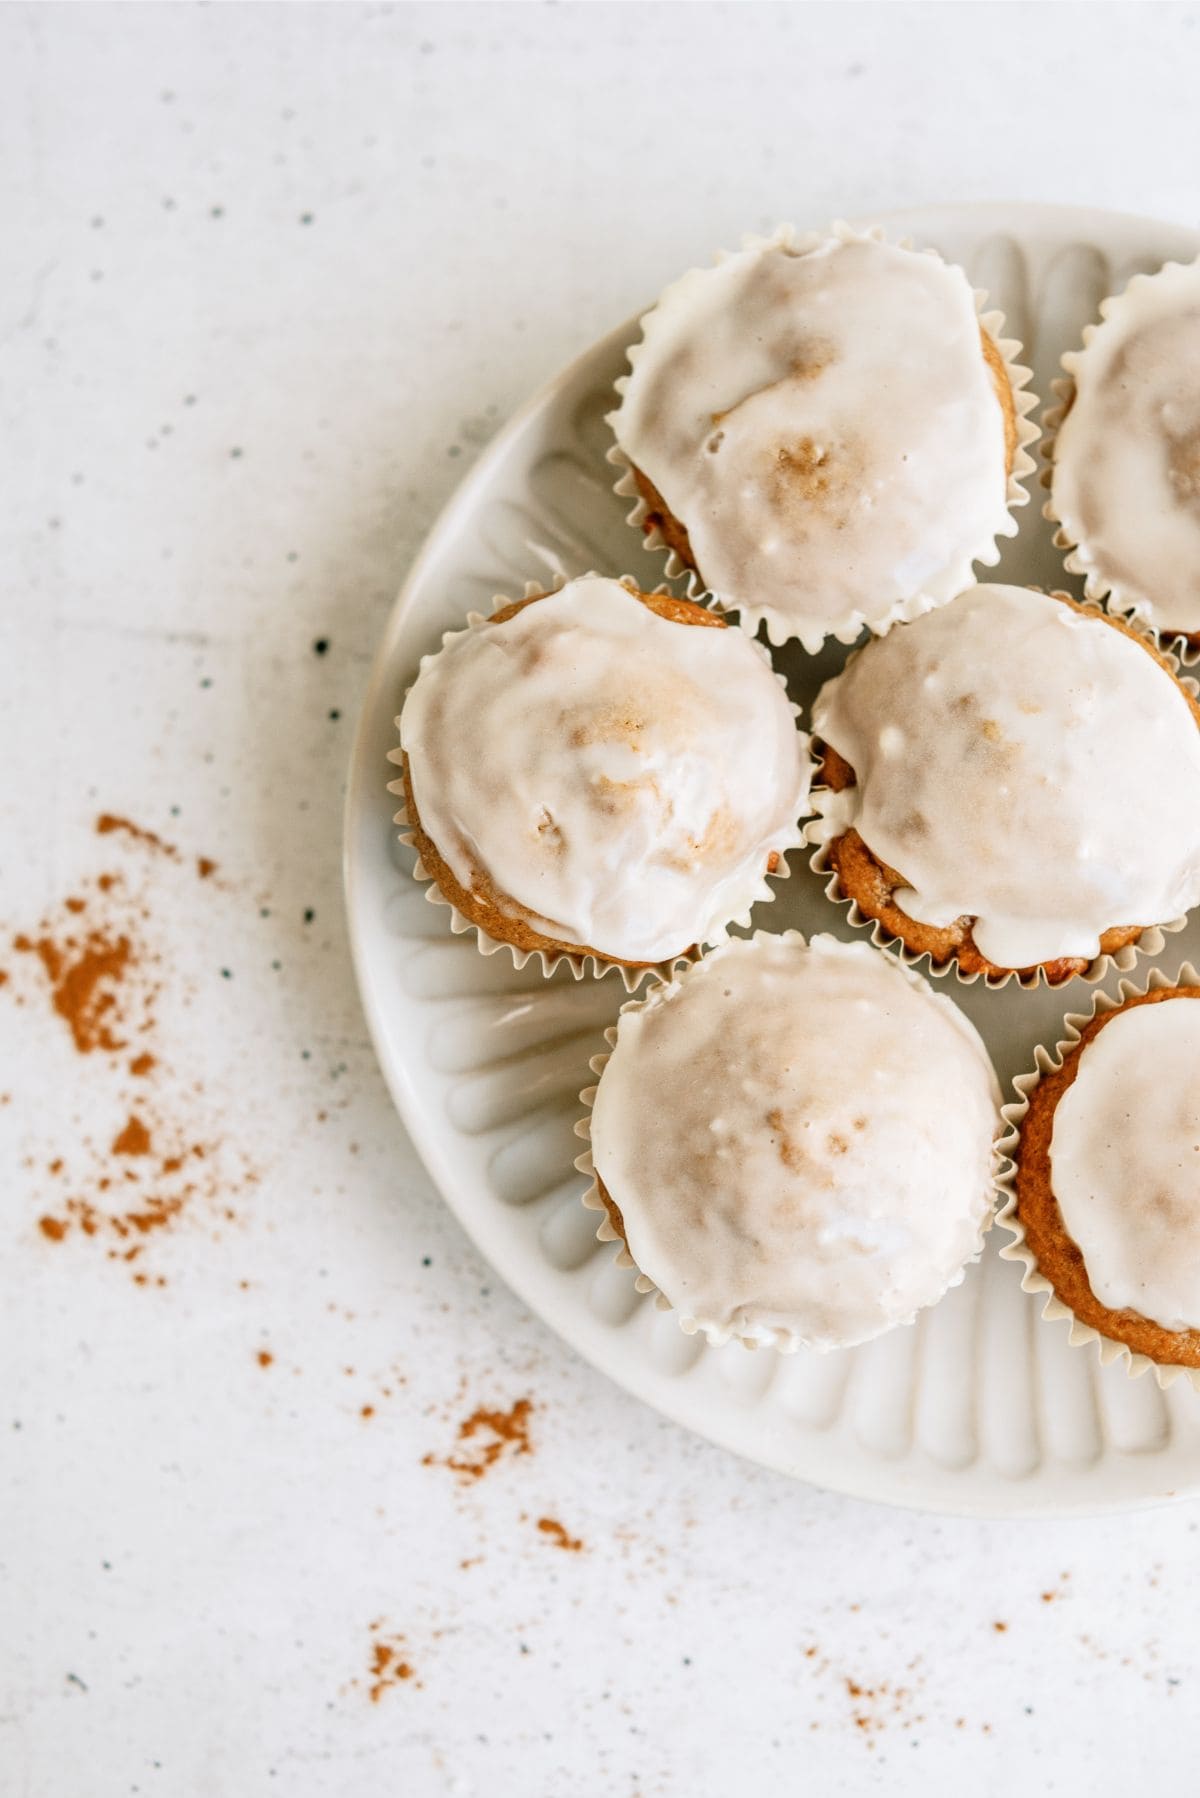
[979, 1407]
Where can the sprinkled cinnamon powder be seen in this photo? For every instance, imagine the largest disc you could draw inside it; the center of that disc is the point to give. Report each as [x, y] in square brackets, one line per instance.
[107, 823]
[487, 1435]
[134, 1139]
[388, 1666]
[551, 1527]
[874, 1708]
[96, 961]
[84, 975]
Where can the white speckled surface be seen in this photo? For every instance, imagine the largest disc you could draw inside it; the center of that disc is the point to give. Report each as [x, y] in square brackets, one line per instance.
[193, 1548]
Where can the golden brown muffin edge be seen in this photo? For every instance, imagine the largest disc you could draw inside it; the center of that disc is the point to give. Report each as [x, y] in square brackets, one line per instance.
[496, 914]
[872, 884]
[1055, 1252]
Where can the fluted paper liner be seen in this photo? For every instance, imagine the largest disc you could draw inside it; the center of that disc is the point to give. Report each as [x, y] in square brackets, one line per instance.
[1077, 558]
[786, 1343]
[1079, 1334]
[779, 629]
[1151, 942]
[581, 964]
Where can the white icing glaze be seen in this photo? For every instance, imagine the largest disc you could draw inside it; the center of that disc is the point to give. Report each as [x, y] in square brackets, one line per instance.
[1126, 480]
[1021, 764]
[1125, 1162]
[621, 777]
[799, 1139]
[823, 422]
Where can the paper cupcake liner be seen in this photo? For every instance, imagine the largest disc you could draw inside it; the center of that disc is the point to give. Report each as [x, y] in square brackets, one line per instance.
[1046, 1061]
[779, 630]
[1076, 557]
[1150, 943]
[784, 1342]
[592, 1201]
[581, 964]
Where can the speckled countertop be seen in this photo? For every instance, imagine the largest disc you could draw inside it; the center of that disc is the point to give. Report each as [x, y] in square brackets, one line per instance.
[272, 276]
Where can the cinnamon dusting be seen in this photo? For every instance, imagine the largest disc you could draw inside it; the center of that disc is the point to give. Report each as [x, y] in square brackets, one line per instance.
[134, 1139]
[95, 959]
[484, 1437]
[551, 1527]
[389, 1664]
[108, 822]
[84, 975]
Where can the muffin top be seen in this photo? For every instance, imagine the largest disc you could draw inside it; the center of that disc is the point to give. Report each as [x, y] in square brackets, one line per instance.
[1125, 1162]
[799, 1141]
[1024, 762]
[1126, 475]
[821, 418]
[619, 779]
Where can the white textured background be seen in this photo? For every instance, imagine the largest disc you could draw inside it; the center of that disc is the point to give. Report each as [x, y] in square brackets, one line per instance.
[269, 278]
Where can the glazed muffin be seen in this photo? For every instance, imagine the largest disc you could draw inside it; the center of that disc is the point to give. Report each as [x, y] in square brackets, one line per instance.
[600, 772]
[1011, 784]
[825, 431]
[795, 1142]
[1107, 1176]
[1125, 473]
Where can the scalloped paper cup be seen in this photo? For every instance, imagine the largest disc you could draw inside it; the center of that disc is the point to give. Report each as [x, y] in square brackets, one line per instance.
[778, 630]
[1077, 559]
[783, 1341]
[1151, 942]
[583, 964]
[1079, 1334]
[605, 1231]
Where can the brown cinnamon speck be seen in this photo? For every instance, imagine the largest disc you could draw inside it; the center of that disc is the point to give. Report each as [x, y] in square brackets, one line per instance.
[134, 1139]
[97, 962]
[83, 977]
[388, 1667]
[487, 1435]
[108, 822]
[551, 1527]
